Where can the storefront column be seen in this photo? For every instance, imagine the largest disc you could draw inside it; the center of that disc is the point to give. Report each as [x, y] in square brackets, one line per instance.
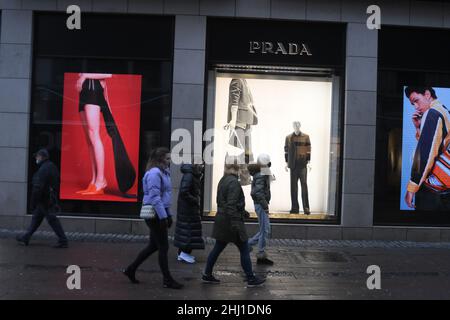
[188, 85]
[15, 74]
[359, 126]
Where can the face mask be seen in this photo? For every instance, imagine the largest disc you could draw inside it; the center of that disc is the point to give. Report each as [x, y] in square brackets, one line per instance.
[37, 162]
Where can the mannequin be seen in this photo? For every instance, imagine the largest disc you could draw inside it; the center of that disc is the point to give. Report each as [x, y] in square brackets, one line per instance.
[297, 153]
[241, 117]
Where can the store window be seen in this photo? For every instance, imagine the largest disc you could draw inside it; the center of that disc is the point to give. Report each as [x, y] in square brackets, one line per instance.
[101, 101]
[412, 176]
[273, 90]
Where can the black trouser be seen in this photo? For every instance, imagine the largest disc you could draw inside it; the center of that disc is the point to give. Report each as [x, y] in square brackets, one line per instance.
[299, 172]
[159, 241]
[39, 214]
[429, 200]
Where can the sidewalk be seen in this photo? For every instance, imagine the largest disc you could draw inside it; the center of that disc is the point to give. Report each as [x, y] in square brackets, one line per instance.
[303, 270]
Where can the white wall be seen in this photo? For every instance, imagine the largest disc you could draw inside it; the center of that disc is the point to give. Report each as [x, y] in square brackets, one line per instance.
[278, 103]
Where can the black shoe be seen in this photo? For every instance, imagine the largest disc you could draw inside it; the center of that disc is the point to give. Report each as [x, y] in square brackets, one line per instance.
[307, 211]
[130, 275]
[209, 278]
[22, 240]
[172, 284]
[264, 261]
[294, 211]
[255, 282]
[61, 245]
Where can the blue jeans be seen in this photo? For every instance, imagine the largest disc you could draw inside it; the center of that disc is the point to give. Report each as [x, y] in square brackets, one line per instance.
[244, 250]
[264, 230]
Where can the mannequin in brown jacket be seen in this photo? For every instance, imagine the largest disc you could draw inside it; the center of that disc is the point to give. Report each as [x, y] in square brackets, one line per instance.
[297, 153]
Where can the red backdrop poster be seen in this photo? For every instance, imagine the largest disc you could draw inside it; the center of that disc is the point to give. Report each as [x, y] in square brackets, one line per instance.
[100, 153]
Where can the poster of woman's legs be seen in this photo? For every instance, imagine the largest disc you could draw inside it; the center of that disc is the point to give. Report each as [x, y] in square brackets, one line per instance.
[100, 137]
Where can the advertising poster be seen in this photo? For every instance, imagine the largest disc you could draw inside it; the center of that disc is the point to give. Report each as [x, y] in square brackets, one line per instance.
[425, 180]
[267, 108]
[100, 137]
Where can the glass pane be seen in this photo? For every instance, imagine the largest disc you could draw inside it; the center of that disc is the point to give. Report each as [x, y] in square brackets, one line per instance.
[295, 120]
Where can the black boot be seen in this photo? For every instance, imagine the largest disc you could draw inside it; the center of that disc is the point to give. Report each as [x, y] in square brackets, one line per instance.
[131, 275]
[172, 284]
[22, 240]
[255, 282]
[264, 261]
[61, 245]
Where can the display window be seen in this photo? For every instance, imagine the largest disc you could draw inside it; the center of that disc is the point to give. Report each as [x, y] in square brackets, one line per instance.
[274, 117]
[412, 182]
[274, 98]
[100, 106]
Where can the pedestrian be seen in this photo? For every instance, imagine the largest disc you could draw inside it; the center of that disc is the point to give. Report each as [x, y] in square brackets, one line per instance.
[157, 189]
[261, 197]
[45, 200]
[188, 229]
[229, 226]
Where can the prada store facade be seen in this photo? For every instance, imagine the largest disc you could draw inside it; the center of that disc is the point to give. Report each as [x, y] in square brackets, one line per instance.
[276, 89]
[304, 85]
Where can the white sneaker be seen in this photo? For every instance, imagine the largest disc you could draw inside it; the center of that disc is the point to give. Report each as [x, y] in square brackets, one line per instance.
[186, 258]
[190, 256]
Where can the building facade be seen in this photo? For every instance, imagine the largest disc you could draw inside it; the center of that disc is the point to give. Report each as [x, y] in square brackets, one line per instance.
[171, 67]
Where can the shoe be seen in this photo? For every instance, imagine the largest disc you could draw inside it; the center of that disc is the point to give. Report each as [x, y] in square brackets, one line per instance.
[209, 278]
[96, 191]
[190, 256]
[255, 282]
[307, 211]
[130, 275]
[186, 258]
[61, 245]
[294, 211]
[22, 240]
[172, 284]
[90, 188]
[264, 261]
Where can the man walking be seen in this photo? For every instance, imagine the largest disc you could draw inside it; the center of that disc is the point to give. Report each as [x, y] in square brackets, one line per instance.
[44, 200]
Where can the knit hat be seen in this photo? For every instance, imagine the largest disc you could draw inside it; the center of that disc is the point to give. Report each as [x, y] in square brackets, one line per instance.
[43, 153]
[263, 159]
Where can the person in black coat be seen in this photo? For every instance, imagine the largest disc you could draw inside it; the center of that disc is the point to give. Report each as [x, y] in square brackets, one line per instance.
[229, 226]
[45, 200]
[188, 230]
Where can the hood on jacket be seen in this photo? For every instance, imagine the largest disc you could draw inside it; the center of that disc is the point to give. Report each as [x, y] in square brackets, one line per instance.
[254, 168]
[187, 168]
[190, 168]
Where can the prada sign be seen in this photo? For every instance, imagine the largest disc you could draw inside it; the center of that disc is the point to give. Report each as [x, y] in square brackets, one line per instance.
[275, 42]
[291, 49]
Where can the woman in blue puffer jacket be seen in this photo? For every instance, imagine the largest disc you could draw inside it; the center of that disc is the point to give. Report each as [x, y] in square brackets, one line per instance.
[157, 189]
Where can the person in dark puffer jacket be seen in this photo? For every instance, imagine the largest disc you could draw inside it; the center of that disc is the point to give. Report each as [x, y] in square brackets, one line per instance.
[261, 197]
[188, 231]
[229, 226]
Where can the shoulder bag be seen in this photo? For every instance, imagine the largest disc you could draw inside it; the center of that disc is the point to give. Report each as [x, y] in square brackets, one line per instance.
[147, 210]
